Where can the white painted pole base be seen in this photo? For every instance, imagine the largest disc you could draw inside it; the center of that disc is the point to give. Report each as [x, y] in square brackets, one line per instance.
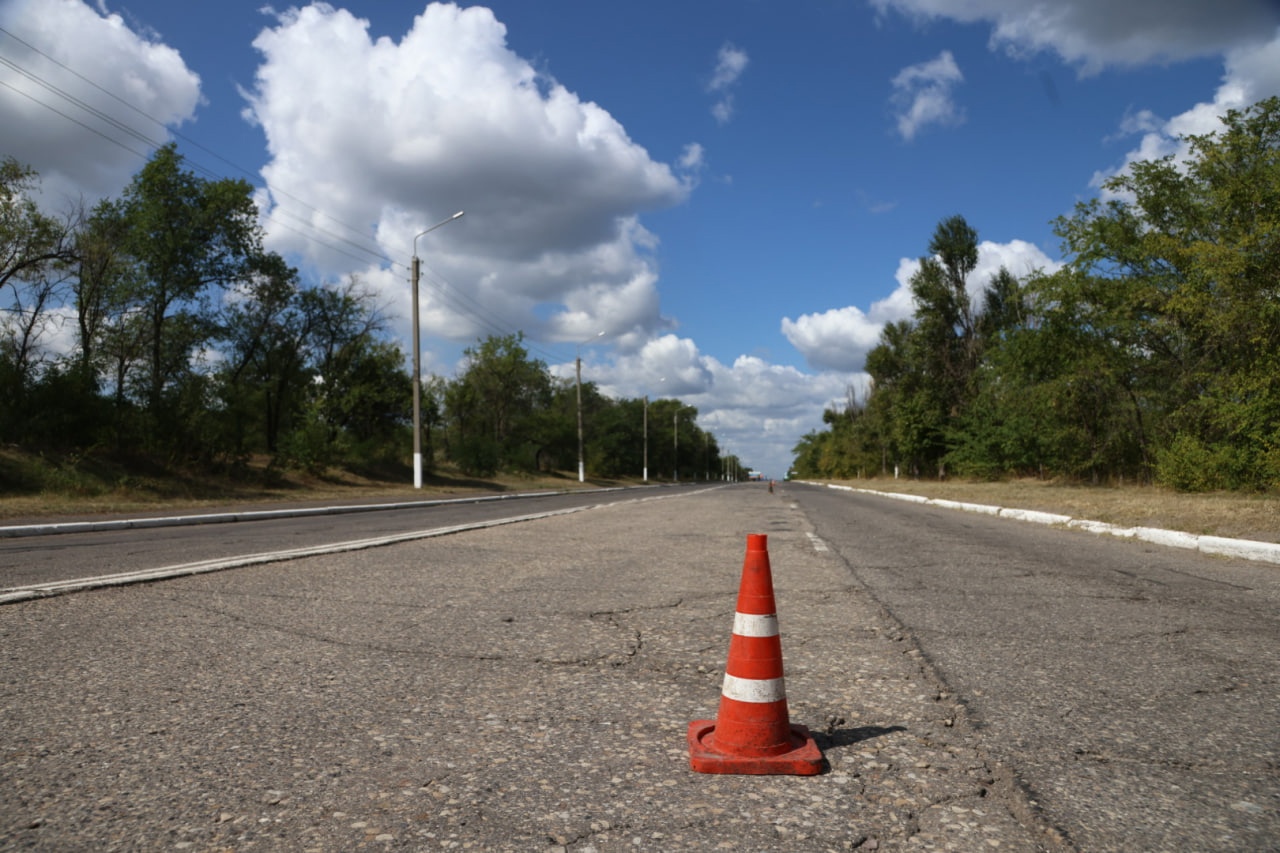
[417, 470]
[582, 473]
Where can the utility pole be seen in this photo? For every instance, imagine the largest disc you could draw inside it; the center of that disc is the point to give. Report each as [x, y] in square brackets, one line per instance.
[417, 382]
[582, 468]
[577, 363]
[646, 438]
[417, 359]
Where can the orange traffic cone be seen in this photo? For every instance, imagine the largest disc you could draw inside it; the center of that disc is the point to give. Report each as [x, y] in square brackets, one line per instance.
[752, 732]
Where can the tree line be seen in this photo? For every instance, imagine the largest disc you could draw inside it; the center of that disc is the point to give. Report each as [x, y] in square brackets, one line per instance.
[1152, 355]
[156, 325]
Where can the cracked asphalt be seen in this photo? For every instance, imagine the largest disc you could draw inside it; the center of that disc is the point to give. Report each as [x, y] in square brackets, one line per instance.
[521, 688]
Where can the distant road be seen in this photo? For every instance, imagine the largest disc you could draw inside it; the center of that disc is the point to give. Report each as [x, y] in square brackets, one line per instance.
[1135, 689]
[26, 561]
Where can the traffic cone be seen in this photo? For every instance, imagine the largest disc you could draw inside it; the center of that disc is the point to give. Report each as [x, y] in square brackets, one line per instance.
[752, 732]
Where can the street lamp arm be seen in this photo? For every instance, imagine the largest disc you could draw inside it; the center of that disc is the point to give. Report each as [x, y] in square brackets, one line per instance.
[442, 222]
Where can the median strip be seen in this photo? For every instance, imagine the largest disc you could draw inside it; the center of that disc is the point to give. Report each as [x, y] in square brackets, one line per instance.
[61, 527]
[44, 590]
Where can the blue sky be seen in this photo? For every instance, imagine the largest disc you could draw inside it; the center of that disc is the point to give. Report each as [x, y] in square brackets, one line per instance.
[734, 191]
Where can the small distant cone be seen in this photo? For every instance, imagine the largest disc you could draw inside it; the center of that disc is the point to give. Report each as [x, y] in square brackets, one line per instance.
[752, 732]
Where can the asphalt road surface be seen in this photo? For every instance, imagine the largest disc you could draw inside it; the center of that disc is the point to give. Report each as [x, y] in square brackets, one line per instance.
[1135, 689]
[974, 683]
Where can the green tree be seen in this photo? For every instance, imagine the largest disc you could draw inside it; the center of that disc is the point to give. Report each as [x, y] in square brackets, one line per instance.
[188, 238]
[431, 414]
[615, 436]
[1191, 250]
[30, 240]
[104, 294]
[370, 396]
[901, 397]
[492, 407]
[1001, 429]
[944, 345]
[341, 333]
[263, 379]
[34, 249]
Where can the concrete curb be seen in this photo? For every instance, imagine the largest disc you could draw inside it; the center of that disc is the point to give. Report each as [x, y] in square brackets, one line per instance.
[1246, 549]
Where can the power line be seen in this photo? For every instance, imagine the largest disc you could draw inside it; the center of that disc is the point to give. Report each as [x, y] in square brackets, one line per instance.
[278, 210]
[71, 119]
[101, 116]
[175, 132]
[468, 305]
[155, 144]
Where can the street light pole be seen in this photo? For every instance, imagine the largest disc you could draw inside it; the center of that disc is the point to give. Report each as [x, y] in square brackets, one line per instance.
[582, 468]
[675, 420]
[417, 358]
[646, 433]
[675, 430]
[646, 438]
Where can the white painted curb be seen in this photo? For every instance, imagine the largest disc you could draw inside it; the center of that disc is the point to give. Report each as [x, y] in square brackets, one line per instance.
[1246, 549]
[1034, 516]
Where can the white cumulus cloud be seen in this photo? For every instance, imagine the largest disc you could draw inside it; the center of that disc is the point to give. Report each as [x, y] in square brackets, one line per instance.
[1097, 33]
[730, 63]
[403, 133]
[922, 95]
[87, 130]
[756, 410]
[840, 338]
[837, 339]
[1251, 73]
[693, 157]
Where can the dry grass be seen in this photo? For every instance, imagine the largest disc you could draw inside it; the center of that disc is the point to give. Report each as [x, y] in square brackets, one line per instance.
[1218, 514]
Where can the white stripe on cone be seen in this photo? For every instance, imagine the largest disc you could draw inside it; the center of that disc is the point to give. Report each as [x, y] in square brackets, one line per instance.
[753, 625]
[754, 689]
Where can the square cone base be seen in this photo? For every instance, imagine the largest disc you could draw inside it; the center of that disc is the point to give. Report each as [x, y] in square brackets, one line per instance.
[803, 759]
